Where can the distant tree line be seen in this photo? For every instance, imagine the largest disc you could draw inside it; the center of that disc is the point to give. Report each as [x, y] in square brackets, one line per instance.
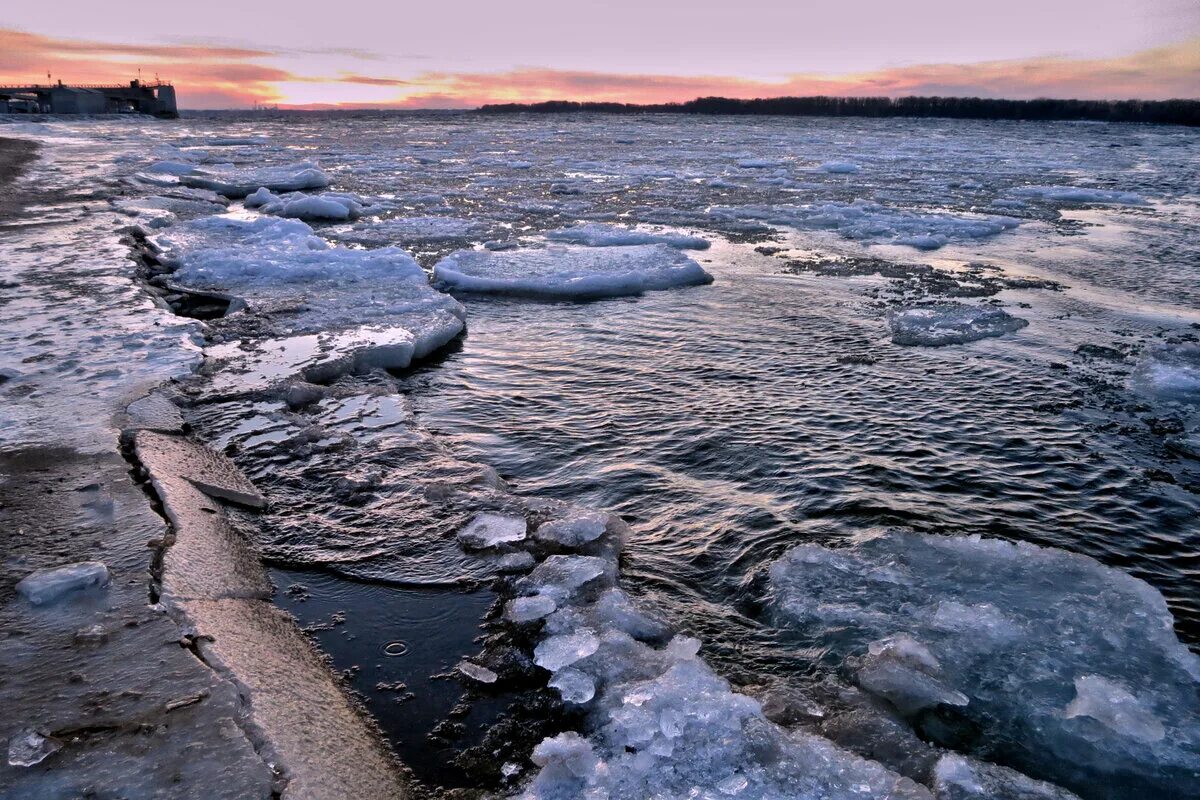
[1173, 112]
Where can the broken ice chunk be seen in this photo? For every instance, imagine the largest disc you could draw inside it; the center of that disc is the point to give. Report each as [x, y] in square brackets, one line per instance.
[565, 649]
[907, 688]
[574, 531]
[477, 673]
[527, 609]
[28, 747]
[562, 576]
[941, 324]
[1113, 706]
[960, 778]
[515, 562]
[49, 585]
[574, 686]
[489, 530]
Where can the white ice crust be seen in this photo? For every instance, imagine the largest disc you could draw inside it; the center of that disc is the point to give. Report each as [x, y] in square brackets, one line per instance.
[569, 273]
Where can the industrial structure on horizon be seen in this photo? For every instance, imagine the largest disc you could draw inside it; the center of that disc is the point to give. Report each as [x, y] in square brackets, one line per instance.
[156, 99]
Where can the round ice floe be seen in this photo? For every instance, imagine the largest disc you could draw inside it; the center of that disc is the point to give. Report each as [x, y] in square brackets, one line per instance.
[569, 273]
[596, 235]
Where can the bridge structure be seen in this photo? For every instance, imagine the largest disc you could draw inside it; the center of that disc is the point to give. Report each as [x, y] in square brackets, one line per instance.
[136, 97]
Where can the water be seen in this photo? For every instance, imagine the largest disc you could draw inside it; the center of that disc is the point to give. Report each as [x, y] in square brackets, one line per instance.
[726, 423]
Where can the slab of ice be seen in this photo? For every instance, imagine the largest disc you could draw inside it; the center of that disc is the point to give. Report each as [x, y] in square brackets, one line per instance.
[1079, 194]
[1070, 671]
[477, 673]
[330, 206]
[569, 273]
[555, 652]
[596, 235]
[49, 585]
[171, 167]
[28, 747]
[574, 531]
[839, 167]
[573, 686]
[236, 182]
[410, 229]
[528, 609]
[273, 262]
[941, 324]
[866, 221]
[490, 530]
[562, 577]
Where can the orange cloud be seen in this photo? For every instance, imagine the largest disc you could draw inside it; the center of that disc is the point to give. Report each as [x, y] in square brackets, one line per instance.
[230, 77]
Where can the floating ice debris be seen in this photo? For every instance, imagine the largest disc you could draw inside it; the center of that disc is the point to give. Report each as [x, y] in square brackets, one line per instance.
[839, 167]
[1114, 707]
[1070, 671]
[234, 141]
[757, 163]
[574, 531]
[477, 673]
[1079, 194]
[237, 183]
[1169, 373]
[171, 168]
[528, 609]
[573, 686]
[515, 562]
[28, 747]
[555, 652]
[271, 261]
[596, 235]
[957, 777]
[569, 273]
[560, 577]
[489, 530]
[410, 229]
[867, 221]
[950, 323]
[329, 206]
[48, 585]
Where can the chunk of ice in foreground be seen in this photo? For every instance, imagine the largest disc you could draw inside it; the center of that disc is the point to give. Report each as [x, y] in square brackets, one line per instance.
[28, 747]
[489, 530]
[941, 324]
[569, 273]
[1071, 670]
[597, 235]
[48, 585]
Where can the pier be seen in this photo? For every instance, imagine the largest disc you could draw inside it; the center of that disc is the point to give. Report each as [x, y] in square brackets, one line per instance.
[137, 97]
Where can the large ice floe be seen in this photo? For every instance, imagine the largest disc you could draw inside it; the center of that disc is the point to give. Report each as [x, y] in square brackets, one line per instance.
[1034, 658]
[569, 273]
[238, 182]
[335, 206]
[863, 220]
[597, 235]
[1079, 194]
[939, 324]
[336, 309]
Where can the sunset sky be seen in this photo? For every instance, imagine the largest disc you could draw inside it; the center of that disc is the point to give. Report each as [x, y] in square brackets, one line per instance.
[373, 53]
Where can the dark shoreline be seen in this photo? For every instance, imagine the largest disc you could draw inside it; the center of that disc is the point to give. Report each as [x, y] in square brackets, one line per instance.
[1163, 112]
[15, 157]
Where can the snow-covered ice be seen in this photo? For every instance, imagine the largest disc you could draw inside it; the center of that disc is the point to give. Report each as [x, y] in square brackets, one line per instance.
[49, 585]
[941, 324]
[1063, 668]
[569, 273]
[237, 182]
[597, 235]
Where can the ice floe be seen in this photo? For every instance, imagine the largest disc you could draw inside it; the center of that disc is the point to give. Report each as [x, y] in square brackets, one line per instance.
[335, 206]
[941, 324]
[410, 229]
[596, 235]
[1079, 194]
[569, 273]
[237, 182]
[1044, 660]
[839, 167]
[867, 221]
[1169, 373]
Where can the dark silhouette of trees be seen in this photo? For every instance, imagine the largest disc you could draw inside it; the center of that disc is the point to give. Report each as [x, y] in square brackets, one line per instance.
[1173, 112]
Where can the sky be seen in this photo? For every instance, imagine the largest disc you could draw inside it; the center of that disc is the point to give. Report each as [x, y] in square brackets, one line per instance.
[454, 54]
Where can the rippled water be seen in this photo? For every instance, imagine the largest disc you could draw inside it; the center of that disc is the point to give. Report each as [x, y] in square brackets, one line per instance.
[729, 422]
